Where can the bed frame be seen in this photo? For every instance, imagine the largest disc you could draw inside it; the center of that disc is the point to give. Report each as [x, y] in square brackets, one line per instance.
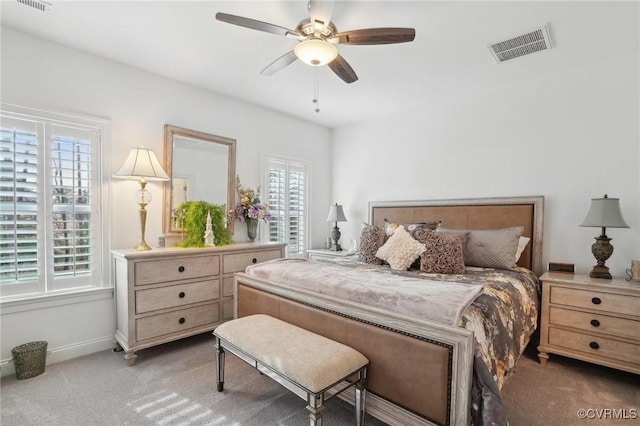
[420, 371]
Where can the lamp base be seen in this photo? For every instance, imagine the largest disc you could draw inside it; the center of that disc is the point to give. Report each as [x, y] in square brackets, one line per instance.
[335, 236]
[600, 272]
[143, 246]
[602, 250]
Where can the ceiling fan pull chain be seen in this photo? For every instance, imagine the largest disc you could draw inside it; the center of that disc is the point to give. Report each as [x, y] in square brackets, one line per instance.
[316, 91]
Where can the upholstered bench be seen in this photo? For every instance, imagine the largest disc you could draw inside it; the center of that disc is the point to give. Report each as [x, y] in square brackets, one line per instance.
[304, 362]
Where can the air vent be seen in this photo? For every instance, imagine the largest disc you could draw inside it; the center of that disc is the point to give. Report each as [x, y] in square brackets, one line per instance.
[521, 45]
[37, 4]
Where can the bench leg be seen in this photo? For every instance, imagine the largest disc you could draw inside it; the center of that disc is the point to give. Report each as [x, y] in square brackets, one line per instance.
[361, 393]
[219, 365]
[316, 406]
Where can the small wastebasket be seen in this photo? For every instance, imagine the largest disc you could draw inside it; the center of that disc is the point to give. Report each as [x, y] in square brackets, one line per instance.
[29, 359]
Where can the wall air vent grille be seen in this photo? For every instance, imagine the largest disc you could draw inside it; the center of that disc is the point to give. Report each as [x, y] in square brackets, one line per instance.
[521, 45]
[42, 6]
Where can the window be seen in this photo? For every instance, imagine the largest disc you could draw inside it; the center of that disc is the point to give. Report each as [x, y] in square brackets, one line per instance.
[287, 197]
[51, 231]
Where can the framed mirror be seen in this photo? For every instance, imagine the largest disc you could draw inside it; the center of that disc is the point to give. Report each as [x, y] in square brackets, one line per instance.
[202, 167]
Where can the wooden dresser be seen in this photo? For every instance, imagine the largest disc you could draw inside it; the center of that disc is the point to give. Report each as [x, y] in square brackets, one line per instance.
[168, 294]
[591, 319]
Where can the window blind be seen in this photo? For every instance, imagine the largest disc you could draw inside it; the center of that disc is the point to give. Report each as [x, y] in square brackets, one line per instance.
[288, 204]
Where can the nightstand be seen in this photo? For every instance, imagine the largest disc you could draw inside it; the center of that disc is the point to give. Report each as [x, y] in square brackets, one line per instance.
[326, 254]
[591, 319]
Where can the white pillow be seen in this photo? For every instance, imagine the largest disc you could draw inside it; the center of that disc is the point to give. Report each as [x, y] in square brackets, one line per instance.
[400, 250]
[522, 244]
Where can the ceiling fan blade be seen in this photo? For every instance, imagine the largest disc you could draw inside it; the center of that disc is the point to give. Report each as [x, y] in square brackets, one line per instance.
[280, 63]
[254, 24]
[377, 36]
[321, 11]
[343, 69]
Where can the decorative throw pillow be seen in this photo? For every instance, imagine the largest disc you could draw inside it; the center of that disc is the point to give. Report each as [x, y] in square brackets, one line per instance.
[400, 250]
[443, 254]
[490, 248]
[412, 228]
[371, 239]
[522, 244]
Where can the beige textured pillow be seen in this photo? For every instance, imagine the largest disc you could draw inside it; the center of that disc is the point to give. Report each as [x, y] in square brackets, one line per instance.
[400, 250]
[443, 254]
[490, 248]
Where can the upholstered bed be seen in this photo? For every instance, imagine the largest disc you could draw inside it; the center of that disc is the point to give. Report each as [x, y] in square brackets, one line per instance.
[440, 344]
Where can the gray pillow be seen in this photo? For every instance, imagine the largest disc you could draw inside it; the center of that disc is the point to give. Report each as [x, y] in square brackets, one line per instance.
[490, 248]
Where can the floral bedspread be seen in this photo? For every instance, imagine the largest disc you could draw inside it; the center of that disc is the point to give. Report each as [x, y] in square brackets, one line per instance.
[503, 317]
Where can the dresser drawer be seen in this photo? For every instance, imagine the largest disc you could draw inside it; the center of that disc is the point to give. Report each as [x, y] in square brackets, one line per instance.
[178, 321]
[238, 262]
[595, 322]
[180, 268]
[600, 346]
[595, 300]
[154, 299]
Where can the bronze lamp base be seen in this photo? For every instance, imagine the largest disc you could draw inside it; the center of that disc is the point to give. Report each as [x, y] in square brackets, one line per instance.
[602, 250]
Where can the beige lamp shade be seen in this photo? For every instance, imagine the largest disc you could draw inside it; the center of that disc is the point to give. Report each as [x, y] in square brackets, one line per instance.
[605, 213]
[141, 164]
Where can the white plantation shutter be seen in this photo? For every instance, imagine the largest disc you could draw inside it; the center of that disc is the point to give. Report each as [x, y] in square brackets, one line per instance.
[288, 200]
[50, 186]
[72, 204]
[19, 213]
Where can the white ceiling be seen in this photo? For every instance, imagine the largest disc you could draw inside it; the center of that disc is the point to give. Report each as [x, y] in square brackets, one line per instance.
[449, 58]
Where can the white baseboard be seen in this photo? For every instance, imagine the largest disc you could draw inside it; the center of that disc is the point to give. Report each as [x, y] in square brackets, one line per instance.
[64, 353]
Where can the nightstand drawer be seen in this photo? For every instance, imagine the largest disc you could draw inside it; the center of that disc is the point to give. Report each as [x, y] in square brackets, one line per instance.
[177, 268]
[239, 262]
[154, 299]
[599, 346]
[595, 300]
[595, 322]
[173, 322]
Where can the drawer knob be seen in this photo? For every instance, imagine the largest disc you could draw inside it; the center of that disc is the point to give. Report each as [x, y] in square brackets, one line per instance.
[180, 268]
[595, 323]
[596, 300]
[254, 260]
[181, 296]
[181, 320]
[594, 345]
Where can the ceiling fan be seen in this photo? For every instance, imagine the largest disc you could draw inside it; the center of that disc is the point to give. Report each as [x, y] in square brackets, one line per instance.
[317, 38]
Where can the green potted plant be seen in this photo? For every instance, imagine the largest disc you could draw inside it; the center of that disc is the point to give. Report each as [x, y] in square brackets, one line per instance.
[194, 222]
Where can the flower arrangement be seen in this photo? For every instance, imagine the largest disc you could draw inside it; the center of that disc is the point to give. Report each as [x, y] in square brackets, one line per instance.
[250, 206]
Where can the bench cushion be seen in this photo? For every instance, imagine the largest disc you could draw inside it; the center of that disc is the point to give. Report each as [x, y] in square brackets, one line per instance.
[310, 360]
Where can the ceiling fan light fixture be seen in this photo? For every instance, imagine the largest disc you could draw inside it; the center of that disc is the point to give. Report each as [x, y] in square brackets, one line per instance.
[316, 52]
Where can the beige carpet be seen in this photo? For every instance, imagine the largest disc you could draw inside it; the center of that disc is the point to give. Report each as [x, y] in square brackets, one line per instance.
[174, 384]
[557, 393]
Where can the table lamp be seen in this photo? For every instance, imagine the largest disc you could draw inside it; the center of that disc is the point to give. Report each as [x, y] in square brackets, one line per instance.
[336, 214]
[142, 165]
[603, 213]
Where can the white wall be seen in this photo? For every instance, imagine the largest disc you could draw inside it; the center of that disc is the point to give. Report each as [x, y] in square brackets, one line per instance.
[569, 137]
[40, 74]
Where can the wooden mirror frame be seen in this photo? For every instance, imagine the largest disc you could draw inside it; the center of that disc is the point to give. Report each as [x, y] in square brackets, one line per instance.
[169, 133]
